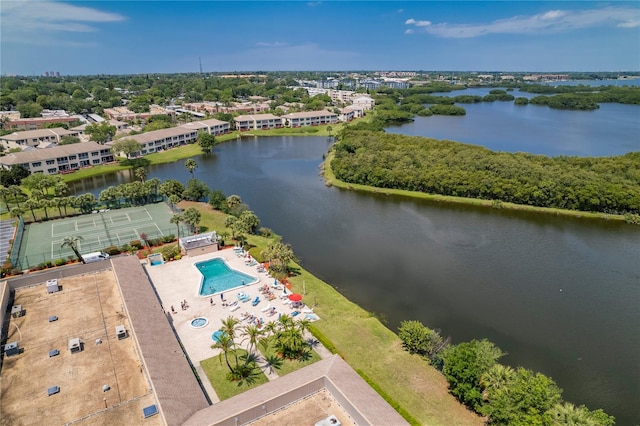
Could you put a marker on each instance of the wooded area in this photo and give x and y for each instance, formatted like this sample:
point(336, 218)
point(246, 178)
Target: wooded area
point(597, 184)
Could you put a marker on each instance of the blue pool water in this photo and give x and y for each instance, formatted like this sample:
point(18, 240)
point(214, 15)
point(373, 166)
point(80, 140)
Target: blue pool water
point(218, 277)
point(199, 322)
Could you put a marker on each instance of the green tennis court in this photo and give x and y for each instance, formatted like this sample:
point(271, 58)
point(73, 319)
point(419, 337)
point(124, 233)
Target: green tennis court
point(42, 241)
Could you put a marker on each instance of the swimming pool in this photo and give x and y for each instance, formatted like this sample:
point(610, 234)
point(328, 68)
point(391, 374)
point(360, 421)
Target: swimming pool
point(217, 276)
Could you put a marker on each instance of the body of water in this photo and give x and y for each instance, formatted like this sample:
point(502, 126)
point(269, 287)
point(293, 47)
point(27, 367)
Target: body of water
point(613, 129)
point(560, 295)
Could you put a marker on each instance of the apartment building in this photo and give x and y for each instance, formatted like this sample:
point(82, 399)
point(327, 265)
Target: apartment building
point(337, 96)
point(365, 102)
point(33, 138)
point(211, 126)
point(37, 122)
point(163, 139)
point(310, 118)
point(59, 159)
point(258, 122)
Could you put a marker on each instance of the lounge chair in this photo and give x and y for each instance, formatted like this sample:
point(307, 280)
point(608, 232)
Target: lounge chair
point(235, 308)
point(256, 301)
point(294, 313)
point(267, 308)
point(243, 297)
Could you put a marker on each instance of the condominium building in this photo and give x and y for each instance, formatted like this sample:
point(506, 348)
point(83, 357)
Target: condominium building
point(258, 122)
point(310, 118)
point(59, 159)
point(211, 126)
point(163, 139)
point(37, 122)
point(364, 102)
point(33, 138)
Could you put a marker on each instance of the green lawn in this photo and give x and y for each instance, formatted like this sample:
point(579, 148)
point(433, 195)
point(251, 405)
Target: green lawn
point(217, 374)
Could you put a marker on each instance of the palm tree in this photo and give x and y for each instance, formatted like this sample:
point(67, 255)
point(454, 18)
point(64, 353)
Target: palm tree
point(4, 193)
point(72, 243)
point(192, 217)
point(191, 165)
point(252, 334)
point(173, 201)
point(32, 204)
point(16, 212)
point(497, 378)
point(141, 173)
point(176, 218)
point(16, 192)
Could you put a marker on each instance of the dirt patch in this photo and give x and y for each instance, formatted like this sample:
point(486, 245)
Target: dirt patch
point(89, 307)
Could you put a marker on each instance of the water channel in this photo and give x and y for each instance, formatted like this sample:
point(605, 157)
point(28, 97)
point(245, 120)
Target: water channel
point(560, 295)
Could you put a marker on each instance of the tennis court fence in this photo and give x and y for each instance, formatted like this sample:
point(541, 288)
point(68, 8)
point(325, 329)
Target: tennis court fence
point(17, 242)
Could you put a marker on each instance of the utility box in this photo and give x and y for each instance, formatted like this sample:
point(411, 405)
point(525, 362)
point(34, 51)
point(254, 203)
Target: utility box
point(52, 286)
point(11, 349)
point(121, 332)
point(17, 311)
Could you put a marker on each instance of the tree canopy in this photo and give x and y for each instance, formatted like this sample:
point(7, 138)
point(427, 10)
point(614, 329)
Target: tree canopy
point(599, 184)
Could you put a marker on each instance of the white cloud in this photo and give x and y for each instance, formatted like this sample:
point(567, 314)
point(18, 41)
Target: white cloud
point(30, 21)
point(549, 22)
point(314, 3)
point(271, 44)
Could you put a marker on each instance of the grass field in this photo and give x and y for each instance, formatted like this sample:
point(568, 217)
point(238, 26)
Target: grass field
point(43, 241)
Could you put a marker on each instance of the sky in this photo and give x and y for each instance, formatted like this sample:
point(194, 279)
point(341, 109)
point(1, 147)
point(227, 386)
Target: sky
point(131, 37)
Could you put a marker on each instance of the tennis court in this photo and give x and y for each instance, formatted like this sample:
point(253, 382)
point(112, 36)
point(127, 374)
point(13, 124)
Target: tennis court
point(42, 241)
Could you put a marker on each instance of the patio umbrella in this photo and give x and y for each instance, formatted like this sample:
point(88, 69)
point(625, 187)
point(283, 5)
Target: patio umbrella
point(295, 297)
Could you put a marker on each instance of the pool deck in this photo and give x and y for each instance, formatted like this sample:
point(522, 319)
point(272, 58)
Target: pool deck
point(180, 280)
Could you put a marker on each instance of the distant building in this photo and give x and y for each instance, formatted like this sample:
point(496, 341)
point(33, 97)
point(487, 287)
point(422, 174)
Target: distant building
point(163, 139)
point(258, 122)
point(59, 159)
point(310, 118)
point(211, 126)
point(33, 138)
point(37, 122)
point(365, 102)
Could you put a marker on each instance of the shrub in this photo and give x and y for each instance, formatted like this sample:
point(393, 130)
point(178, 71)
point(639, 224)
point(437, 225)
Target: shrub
point(168, 238)
point(135, 244)
point(49, 264)
point(16, 271)
point(41, 266)
point(126, 248)
point(170, 252)
point(60, 262)
point(154, 241)
point(112, 250)
point(6, 267)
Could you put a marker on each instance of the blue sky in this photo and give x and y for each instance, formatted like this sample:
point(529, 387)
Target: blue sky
point(121, 37)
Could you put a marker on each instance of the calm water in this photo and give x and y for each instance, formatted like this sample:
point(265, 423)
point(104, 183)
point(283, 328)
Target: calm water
point(561, 296)
point(613, 129)
point(219, 277)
